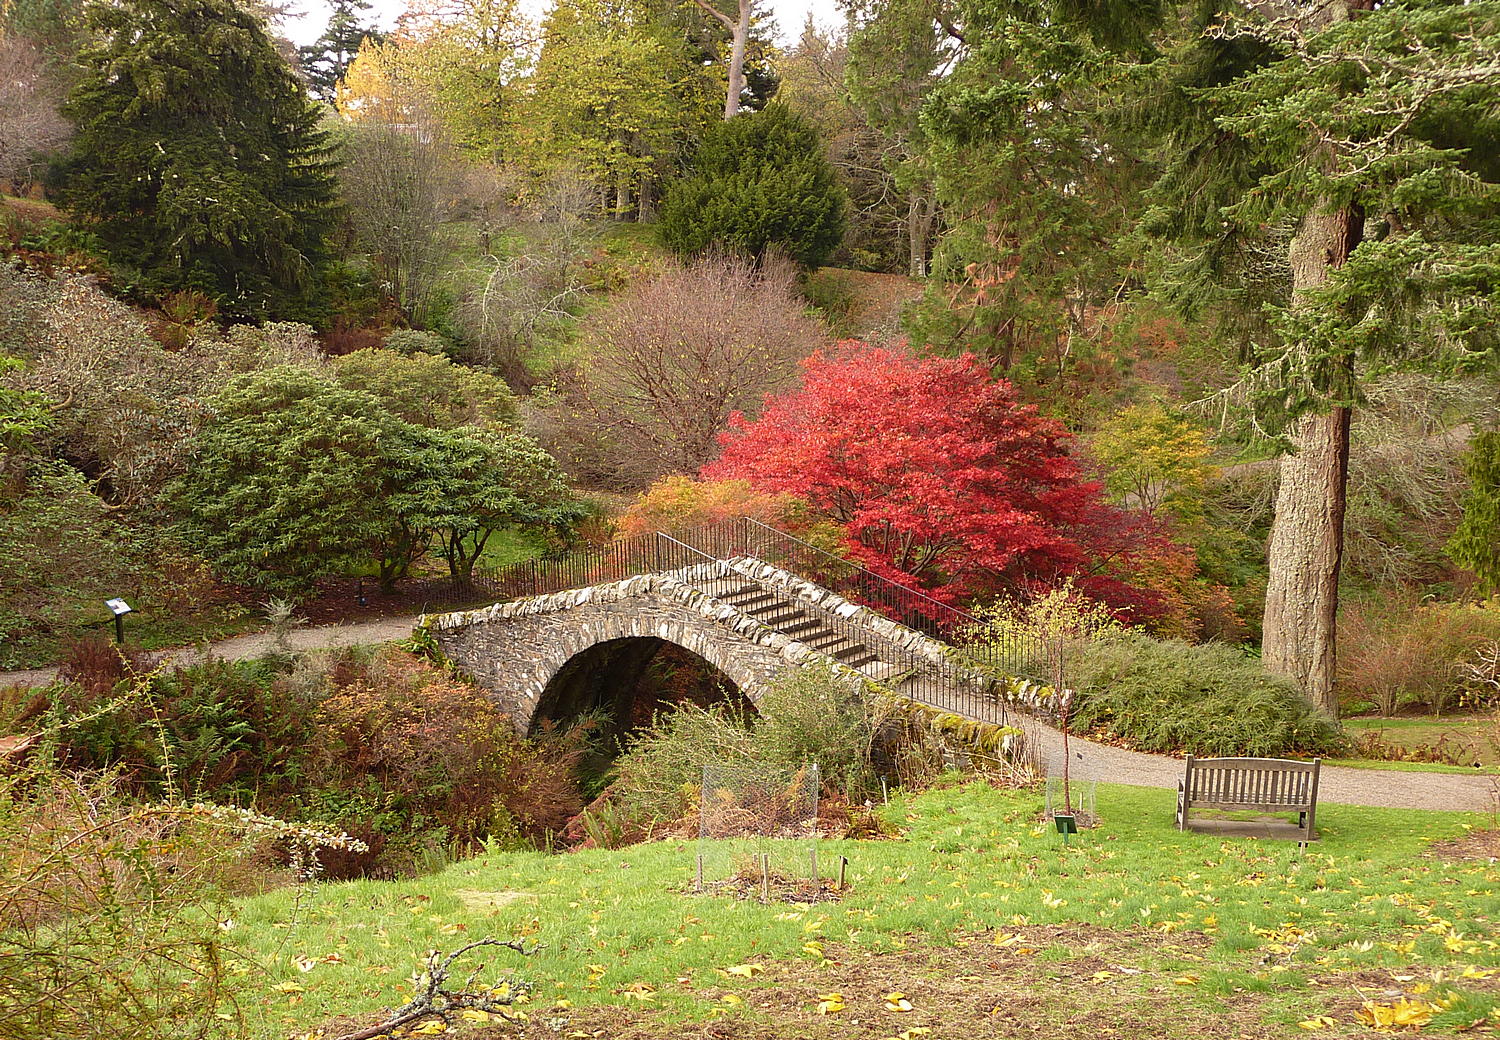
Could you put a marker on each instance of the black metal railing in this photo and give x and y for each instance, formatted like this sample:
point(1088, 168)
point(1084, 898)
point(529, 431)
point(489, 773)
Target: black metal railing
point(940, 683)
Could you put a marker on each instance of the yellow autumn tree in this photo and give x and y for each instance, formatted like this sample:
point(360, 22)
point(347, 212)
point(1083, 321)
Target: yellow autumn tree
point(1155, 461)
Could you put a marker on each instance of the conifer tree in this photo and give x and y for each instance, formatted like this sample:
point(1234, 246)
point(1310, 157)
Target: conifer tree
point(759, 180)
point(198, 159)
point(1347, 151)
point(1476, 543)
point(326, 59)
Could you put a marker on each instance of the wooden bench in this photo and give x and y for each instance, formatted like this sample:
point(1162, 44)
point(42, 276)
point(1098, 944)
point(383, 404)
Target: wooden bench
point(1277, 785)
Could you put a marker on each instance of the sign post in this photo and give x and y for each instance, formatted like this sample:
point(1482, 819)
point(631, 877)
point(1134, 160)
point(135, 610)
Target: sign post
point(119, 608)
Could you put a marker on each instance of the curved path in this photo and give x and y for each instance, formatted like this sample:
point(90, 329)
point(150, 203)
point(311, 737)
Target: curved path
point(1090, 761)
point(1378, 787)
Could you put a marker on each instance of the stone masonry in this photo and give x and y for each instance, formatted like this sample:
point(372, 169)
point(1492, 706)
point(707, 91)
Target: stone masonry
point(516, 648)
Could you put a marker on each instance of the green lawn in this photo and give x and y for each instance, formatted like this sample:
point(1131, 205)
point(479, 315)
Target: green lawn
point(976, 905)
point(1476, 735)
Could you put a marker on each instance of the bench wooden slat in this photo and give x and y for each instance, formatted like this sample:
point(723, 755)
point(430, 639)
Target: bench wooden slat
point(1266, 784)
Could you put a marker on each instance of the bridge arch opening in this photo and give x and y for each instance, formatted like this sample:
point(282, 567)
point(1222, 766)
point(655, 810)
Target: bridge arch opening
point(626, 683)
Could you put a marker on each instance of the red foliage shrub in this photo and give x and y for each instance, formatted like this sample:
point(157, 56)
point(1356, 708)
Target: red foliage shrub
point(937, 473)
point(96, 664)
point(343, 339)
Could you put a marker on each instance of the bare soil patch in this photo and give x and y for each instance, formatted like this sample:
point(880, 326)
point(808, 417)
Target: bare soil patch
point(778, 888)
point(1052, 983)
point(1479, 844)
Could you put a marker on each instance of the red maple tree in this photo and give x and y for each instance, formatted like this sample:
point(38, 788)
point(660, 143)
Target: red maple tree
point(939, 475)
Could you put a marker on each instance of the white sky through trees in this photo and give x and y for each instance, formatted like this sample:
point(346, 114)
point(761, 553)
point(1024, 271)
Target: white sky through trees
point(789, 14)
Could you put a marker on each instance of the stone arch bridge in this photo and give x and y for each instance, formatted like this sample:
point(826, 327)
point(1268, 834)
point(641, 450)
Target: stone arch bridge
point(749, 618)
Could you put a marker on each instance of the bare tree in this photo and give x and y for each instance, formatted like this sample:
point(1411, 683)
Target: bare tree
point(30, 123)
point(675, 357)
point(522, 294)
point(398, 180)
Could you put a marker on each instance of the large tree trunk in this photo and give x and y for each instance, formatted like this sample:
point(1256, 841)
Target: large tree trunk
point(1307, 548)
point(1298, 636)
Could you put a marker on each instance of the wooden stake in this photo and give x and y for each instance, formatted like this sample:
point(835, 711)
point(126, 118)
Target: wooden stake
point(843, 867)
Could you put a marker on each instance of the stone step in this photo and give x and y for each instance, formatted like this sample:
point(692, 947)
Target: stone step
point(803, 630)
point(776, 616)
point(850, 651)
point(828, 637)
point(748, 599)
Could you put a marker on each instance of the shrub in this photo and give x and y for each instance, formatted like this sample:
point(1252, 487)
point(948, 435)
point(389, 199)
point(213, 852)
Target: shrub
point(812, 715)
point(759, 180)
point(1168, 696)
point(679, 503)
point(660, 775)
point(406, 747)
point(807, 716)
point(415, 341)
point(220, 729)
point(109, 909)
point(1405, 653)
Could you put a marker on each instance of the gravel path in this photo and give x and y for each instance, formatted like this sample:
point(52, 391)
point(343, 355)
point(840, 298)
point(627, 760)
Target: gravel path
point(241, 648)
point(1091, 761)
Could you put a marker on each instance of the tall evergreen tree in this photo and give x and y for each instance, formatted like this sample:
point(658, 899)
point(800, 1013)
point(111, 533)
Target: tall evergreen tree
point(1342, 152)
point(199, 160)
point(326, 59)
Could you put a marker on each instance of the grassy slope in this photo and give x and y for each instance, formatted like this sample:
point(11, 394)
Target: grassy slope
point(1255, 930)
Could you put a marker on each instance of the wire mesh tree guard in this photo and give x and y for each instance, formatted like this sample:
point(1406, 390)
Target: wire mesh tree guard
point(758, 832)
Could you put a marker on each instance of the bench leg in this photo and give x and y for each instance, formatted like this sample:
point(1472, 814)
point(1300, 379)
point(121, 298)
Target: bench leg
point(1182, 808)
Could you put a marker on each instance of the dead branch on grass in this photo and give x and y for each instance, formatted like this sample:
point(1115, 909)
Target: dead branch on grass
point(435, 1000)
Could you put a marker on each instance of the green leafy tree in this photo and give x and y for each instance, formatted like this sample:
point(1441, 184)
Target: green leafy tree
point(613, 96)
point(495, 480)
point(284, 488)
point(427, 389)
point(460, 487)
point(759, 181)
point(198, 159)
point(1155, 461)
point(326, 59)
point(1476, 543)
point(468, 57)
